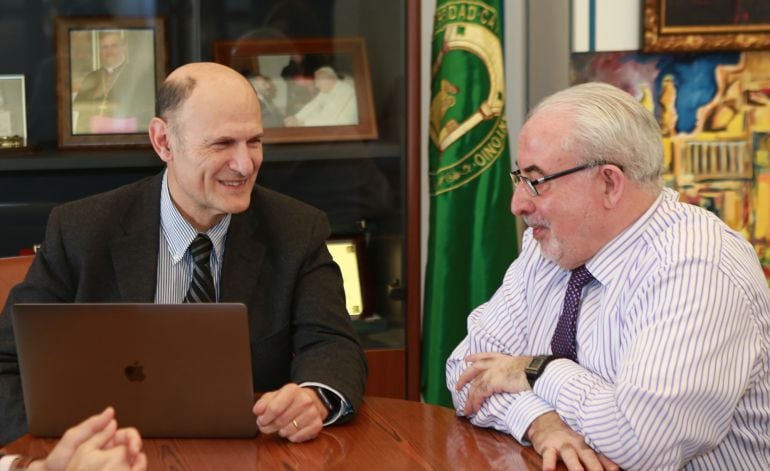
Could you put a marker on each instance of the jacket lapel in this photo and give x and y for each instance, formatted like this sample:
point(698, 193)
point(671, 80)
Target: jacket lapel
point(135, 248)
point(244, 254)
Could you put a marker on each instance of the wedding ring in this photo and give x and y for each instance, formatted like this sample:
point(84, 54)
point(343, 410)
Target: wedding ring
point(295, 424)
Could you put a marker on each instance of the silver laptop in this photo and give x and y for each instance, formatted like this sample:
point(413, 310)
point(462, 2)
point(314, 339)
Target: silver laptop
point(170, 370)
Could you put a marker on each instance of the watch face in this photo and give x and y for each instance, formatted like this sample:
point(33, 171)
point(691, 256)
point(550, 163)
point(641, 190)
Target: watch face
point(536, 363)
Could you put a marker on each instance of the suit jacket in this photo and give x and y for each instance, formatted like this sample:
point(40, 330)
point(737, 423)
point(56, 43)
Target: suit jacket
point(105, 249)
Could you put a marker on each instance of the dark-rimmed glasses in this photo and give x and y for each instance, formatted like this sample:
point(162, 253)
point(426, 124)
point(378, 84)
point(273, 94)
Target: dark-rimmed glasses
point(517, 177)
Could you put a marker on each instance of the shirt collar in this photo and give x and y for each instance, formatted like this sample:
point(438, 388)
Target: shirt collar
point(600, 265)
point(179, 233)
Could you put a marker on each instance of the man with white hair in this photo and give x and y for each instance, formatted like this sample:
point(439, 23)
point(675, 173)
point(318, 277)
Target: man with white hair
point(665, 363)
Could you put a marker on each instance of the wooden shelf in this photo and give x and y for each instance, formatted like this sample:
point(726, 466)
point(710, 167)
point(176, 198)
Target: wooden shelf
point(47, 159)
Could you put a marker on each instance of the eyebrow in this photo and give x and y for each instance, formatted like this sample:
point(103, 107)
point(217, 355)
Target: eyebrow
point(530, 169)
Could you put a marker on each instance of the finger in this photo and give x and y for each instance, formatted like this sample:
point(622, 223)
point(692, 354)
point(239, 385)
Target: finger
point(261, 404)
point(550, 458)
point(570, 458)
point(130, 438)
point(305, 426)
point(467, 376)
point(282, 408)
point(140, 463)
point(476, 396)
point(608, 464)
point(101, 438)
point(84, 430)
point(589, 459)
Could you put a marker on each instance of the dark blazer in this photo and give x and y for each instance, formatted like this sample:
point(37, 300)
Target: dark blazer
point(105, 249)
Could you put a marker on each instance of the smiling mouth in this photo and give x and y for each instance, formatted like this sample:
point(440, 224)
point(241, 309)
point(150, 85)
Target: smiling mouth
point(233, 183)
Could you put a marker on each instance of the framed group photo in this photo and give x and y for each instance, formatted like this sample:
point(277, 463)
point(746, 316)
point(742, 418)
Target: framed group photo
point(108, 70)
point(13, 112)
point(698, 25)
point(309, 89)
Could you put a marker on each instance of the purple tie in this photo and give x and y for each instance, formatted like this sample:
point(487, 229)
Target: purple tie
point(563, 342)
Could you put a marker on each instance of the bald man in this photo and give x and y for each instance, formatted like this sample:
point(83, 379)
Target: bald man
point(269, 252)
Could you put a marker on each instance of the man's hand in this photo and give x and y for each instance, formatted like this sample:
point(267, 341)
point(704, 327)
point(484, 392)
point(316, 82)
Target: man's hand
point(491, 373)
point(555, 441)
point(96, 443)
point(293, 412)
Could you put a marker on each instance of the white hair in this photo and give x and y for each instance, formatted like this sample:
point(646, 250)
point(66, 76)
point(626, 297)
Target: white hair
point(609, 125)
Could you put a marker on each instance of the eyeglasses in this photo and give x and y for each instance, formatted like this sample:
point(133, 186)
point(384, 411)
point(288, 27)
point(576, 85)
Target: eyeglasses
point(517, 177)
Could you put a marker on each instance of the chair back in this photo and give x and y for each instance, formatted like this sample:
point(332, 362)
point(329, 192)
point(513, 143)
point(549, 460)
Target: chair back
point(12, 272)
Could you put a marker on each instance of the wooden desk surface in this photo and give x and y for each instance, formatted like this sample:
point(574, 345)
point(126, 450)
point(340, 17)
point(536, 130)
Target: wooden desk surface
point(387, 434)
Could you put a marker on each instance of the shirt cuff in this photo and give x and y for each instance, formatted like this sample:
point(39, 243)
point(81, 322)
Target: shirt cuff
point(6, 462)
point(342, 407)
point(557, 375)
point(519, 418)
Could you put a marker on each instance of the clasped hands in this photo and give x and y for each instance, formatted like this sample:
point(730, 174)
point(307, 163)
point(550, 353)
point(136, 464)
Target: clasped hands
point(293, 412)
point(493, 373)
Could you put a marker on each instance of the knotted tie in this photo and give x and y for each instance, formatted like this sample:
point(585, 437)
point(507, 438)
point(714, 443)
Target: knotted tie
point(563, 341)
point(202, 286)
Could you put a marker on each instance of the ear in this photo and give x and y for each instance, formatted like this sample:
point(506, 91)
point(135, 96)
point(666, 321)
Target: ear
point(160, 139)
point(614, 185)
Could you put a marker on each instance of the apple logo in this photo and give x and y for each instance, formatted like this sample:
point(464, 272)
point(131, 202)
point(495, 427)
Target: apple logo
point(135, 372)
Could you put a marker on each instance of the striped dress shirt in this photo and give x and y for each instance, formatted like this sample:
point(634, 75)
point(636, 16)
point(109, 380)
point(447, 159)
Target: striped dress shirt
point(673, 345)
point(175, 263)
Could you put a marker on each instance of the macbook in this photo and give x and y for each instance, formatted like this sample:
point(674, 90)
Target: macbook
point(170, 370)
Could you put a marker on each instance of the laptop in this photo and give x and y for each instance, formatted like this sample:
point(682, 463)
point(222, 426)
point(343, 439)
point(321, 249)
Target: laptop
point(170, 370)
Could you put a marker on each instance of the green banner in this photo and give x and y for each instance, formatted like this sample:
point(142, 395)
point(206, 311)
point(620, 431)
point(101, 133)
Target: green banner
point(472, 237)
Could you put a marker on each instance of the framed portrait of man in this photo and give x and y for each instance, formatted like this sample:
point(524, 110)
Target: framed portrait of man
point(311, 89)
point(705, 25)
point(13, 112)
point(108, 73)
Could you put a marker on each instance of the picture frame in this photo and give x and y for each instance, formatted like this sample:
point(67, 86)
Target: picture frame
point(347, 253)
point(310, 90)
point(108, 70)
point(692, 26)
point(13, 112)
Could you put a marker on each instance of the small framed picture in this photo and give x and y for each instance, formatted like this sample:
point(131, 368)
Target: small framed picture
point(13, 112)
point(347, 253)
point(108, 70)
point(698, 25)
point(309, 89)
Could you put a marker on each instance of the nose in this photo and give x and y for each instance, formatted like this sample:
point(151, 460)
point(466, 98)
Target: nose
point(244, 160)
point(521, 202)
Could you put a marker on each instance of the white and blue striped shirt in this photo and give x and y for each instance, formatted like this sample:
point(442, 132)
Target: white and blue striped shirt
point(175, 263)
point(673, 344)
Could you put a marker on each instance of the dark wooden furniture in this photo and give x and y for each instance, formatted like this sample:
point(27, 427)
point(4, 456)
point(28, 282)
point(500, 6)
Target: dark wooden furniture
point(388, 434)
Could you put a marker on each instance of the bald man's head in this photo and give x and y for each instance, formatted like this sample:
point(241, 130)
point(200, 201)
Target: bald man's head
point(179, 85)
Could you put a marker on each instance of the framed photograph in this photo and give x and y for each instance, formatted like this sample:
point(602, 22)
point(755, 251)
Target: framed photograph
point(309, 89)
point(108, 70)
point(347, 252)
point(13, 112)
point(705, 25)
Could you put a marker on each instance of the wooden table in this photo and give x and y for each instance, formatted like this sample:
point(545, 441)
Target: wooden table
point(387, 434)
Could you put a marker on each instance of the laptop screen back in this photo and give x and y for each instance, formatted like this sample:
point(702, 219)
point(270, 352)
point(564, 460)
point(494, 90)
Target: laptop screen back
point(170, 370)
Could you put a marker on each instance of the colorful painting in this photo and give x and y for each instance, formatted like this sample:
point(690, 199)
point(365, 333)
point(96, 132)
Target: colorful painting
point(714, 115)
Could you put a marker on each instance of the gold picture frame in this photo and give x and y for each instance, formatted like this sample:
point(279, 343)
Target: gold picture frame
point(684, 26)
point(108, 70)
point(310, 90)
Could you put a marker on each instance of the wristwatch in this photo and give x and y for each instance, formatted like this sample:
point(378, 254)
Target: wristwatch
point(325, 399)
point(537, 366)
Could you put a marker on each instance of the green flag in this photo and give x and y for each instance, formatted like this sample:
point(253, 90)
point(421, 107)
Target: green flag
point(472, 237)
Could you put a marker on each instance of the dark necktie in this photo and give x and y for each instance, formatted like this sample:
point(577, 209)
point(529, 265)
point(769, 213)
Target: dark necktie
point(202, 286)
point(563, 342)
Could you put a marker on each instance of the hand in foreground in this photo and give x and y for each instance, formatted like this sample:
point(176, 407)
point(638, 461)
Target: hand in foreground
point(293, 412)
point(96, 443)
point(555, 441)
point(491, 373)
